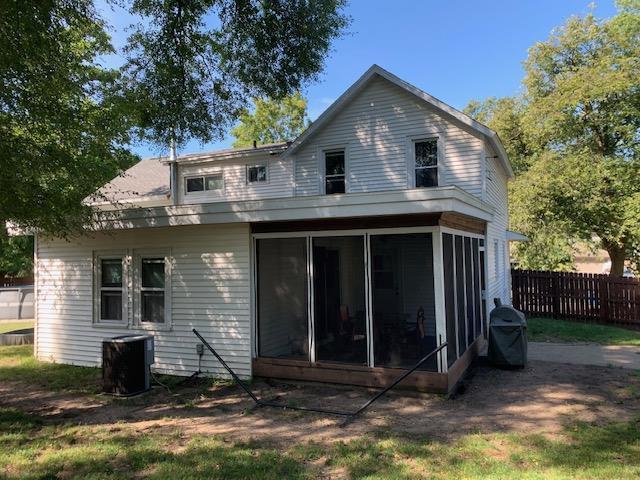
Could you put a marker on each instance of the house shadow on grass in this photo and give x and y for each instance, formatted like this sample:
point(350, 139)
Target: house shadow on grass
point(33, 449)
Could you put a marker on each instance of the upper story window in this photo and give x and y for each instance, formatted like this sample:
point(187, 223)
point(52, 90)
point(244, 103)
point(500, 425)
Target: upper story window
point(256, 174)
point(334, 176)
point(426, 162)
point(203, 183)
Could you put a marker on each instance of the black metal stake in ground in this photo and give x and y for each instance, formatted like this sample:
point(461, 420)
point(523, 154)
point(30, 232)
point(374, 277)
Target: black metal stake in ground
point(262, 403)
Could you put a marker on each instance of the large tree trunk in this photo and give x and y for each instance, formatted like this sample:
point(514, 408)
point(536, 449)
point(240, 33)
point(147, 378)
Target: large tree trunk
point(617, 256)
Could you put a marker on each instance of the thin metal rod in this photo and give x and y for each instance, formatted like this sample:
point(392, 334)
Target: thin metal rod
point(262, 403)
point(305, 409)
point(224, 364)
point(399, 379)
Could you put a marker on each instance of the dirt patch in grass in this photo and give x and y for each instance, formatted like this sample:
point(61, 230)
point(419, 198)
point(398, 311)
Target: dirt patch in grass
point(543, 398)
point(546, 421)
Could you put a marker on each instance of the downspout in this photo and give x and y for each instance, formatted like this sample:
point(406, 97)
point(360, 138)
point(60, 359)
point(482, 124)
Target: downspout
point(173, 172)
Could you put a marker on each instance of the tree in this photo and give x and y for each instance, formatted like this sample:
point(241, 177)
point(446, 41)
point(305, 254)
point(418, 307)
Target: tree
point(505, 116)
point(66, 122)
point(272, 121)
point(63, 130)
point(549, 246)
point(16, 255)
point(583, 92)
point(575, 140)
point(191, 79)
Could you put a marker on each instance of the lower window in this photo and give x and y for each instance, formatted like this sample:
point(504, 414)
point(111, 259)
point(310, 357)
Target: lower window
point(152, 289)
point(110, 281)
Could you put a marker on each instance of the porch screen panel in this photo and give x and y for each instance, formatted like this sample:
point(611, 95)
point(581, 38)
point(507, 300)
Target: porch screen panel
point(483, 287)
point(449, 297)
point(403, 299)
point(468, 279)
point(340, 329)
point(477, 273)
point(282, 298)
point(460, 295)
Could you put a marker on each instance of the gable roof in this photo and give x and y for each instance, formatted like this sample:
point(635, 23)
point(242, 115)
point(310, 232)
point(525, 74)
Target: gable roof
point(363, 81)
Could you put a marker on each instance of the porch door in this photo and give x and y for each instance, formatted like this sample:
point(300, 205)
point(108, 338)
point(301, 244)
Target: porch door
point(386, 281)
point(403, 299)
point(339, 302)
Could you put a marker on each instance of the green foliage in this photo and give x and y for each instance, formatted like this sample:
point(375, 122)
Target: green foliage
point(191, 80)
point(66, 122)
point(63, 131)
point(549, 246)
point(552, 330)
point(272, 121)
point(582, 87)
point(16, 255)
point(574, 139)
point(504, 116)
point(18, 325)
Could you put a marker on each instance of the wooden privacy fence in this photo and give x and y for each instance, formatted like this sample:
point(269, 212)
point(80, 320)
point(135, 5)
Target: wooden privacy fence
point(577, 296)
point(15, 282)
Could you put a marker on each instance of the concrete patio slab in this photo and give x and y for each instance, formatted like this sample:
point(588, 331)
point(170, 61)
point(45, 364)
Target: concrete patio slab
point(624, 356)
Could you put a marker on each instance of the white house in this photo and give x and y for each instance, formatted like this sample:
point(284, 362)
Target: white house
point(344, 256)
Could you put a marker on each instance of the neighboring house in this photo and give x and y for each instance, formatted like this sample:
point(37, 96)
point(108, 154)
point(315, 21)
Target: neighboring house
point(589, 261)
point(344, 256)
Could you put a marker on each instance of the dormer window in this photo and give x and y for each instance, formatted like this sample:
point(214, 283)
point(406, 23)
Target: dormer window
point(256, 174)
point(426, 162)
point(204, 183)
point(334, 177)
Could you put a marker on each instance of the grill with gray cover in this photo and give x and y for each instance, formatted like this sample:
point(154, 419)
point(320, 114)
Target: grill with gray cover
point(507, 337)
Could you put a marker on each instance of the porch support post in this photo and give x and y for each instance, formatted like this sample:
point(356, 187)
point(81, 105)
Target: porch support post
point(310, 301)
point(438, 295)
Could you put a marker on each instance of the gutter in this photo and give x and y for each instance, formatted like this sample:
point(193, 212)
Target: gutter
point(173, 173)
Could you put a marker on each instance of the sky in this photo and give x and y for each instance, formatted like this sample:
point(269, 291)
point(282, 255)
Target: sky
point(455, 50)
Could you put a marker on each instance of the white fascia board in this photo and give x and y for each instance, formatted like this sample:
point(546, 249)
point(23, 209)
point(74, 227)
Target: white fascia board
point(442, 199)
point(134, 202)
point(229, 155)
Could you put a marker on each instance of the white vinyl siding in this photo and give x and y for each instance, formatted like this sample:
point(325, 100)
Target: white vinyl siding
point(209, 288)
point(279, 181)
point(376, 126)
point(499, 274)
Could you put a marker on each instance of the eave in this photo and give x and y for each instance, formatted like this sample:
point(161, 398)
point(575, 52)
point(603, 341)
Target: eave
point(416, 201)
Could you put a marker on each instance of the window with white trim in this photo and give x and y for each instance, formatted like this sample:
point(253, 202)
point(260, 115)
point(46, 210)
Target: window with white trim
point(256, 174)
point(202, 183)
point(111, 285)
point(152, 290)
point(425, 153)
point(334, 172)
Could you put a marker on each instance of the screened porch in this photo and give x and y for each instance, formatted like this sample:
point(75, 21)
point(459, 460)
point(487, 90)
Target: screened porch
point(354, 306)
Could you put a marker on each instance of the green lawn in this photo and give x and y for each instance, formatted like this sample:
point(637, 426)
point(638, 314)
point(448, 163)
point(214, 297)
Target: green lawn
point(30, 449)
point(35, 448)
point(550, 330)
point(18, 364)
point(17, 325)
